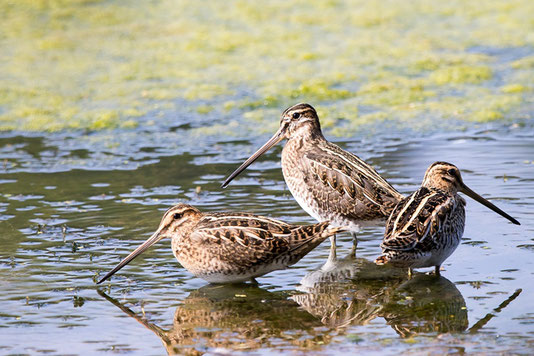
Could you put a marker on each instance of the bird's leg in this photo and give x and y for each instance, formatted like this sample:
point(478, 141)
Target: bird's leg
point(410, 273)
point(333, 241)
point(354, 245)
point(332, 256)
point(437, 270)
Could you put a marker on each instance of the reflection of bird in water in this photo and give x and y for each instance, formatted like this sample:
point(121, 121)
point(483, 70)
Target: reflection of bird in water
point(223, 318)
point(231, 247)
point(422, 304)
point(347, 291)
point(333, 271)
point(426, 304)
point(354, 291)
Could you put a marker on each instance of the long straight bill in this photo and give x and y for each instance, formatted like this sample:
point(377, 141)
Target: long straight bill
point(151, 241)
point(465, 189)
point(278, 136)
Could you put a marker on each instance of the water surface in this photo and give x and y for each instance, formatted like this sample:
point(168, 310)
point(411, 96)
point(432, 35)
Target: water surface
point(72, 205)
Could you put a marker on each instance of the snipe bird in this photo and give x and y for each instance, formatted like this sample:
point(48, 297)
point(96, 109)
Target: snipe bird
point(231, 247)
point(426, 227)
point(329, 183)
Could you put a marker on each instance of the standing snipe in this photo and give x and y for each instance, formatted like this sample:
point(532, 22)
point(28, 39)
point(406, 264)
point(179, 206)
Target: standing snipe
point(426, 227)
point(329, 183)
point(231, 247)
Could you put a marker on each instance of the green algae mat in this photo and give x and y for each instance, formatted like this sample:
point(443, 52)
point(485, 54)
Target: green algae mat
point(96, 65)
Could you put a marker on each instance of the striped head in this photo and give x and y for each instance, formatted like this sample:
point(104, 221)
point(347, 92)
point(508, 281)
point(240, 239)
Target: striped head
point(179, 217)
point(446, 177)
point(300, 120)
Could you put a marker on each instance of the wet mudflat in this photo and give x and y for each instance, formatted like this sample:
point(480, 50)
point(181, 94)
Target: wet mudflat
point(70, 211)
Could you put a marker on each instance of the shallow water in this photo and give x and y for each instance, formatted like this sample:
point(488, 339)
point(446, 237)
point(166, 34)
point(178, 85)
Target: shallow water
point(72, 205)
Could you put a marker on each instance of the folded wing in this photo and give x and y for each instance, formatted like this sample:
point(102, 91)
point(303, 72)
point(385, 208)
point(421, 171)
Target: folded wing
point(417, 221)
point(353, 185)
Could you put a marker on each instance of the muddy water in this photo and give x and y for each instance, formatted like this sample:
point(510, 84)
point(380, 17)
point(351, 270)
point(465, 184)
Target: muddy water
point(71, 206)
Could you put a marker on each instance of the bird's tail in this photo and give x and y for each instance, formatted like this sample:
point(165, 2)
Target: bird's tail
point(313, 235)
point(334, 230)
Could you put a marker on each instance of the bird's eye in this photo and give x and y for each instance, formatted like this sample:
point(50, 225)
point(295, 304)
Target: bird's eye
point(177, 216)
point(452, 172)
point(296, 115)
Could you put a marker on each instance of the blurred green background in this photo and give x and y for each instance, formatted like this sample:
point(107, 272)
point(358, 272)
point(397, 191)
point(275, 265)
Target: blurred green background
point(100, 64)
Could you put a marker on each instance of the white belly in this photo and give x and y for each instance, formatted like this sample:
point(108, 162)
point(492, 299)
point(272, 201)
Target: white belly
point(311, 207)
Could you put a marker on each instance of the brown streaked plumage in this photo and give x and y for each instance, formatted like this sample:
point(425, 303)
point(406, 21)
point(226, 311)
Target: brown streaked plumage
point(425, 304)
point(219, 319)
point(329, 183)
point(426, 227)
point(231, 247)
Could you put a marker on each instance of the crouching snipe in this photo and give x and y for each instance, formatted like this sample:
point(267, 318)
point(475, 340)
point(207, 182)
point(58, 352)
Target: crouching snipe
point(231, 247)
point(425, 228)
